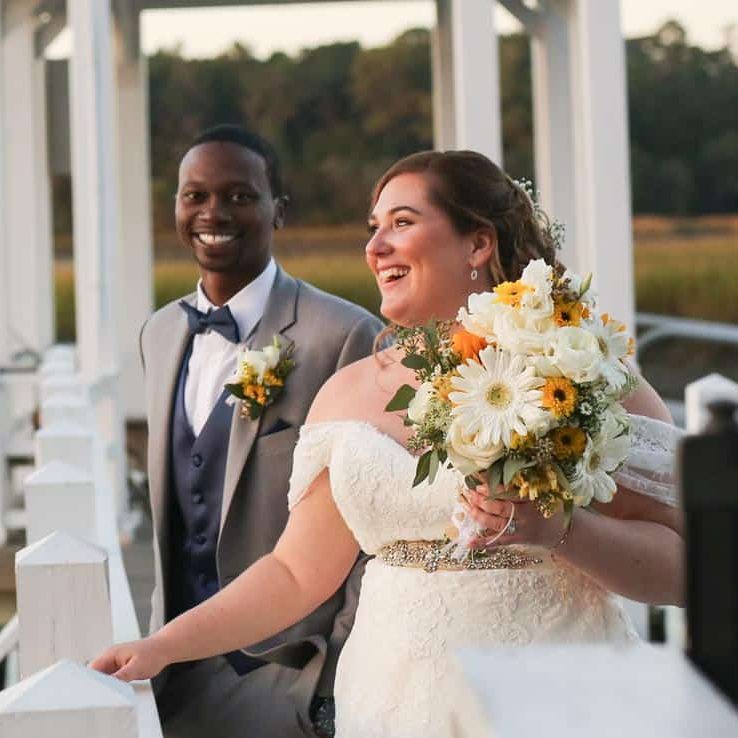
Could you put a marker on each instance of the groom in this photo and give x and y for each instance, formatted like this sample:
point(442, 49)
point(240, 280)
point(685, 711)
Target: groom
point(219, 481)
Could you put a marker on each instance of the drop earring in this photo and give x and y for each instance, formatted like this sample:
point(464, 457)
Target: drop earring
point(474, 275)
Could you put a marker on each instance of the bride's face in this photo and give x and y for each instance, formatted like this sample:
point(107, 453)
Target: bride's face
point(421, 264)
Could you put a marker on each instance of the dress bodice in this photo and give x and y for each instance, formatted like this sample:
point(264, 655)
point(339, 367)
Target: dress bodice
point(371, 476)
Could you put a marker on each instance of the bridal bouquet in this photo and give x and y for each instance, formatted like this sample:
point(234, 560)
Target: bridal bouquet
point(525, 395)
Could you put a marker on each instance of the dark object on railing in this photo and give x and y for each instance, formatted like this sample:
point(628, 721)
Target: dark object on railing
point(709, 484)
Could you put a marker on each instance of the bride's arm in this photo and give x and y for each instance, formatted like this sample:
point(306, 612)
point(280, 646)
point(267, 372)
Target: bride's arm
point(309, 563)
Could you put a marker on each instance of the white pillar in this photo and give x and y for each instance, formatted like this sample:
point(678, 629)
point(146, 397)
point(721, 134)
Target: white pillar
point(466, 73)
point(96, 222)
point(27, 276)
point(553, 118)
point(66, 700)
point(604, 243)
point(70, 577)
point(4, 247)
point(137, 292)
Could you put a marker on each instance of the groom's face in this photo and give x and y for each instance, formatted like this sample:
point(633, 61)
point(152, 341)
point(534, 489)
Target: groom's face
point(226, 212)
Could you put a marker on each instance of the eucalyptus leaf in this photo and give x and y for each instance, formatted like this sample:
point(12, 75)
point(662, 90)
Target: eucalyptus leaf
point(416, 362)
point(512, 467)
point(423, 468)
point(494, 476)
point(433, 467)
point(403, 397)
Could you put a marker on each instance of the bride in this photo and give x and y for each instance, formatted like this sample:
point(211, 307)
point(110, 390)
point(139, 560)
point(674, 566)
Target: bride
point(442, 225)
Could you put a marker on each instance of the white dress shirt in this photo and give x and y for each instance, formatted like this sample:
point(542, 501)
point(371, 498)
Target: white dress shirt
point(213, 358)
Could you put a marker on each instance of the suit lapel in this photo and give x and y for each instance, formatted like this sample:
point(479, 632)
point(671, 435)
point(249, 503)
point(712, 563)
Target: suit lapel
point(164, 371)
point(279, 315)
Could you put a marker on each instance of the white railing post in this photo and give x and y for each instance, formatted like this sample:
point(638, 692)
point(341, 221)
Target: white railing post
point(68, 700)
point(63, 601)
point(60, 497)
point(67, 442)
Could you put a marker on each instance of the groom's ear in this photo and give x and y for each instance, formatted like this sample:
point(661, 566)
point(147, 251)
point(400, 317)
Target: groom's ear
point(280, 211)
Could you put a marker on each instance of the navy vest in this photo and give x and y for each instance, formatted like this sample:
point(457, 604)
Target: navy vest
point(197, 471)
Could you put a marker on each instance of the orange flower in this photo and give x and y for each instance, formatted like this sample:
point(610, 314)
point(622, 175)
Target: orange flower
point(468, 345)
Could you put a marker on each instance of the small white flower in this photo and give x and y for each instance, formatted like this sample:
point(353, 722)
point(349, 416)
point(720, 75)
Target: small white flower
point(603, 455)
point(271, 356)
point(496, 396)
point(259, 361)
point(467, 453)
point(575, 284)
point(576, 353)
point(419, 405)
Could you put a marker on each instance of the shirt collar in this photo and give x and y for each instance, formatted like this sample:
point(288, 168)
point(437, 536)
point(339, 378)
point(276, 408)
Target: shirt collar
point(248, 304)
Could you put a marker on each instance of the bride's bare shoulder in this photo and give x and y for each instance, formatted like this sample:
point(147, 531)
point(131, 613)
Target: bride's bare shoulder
point(356, 389)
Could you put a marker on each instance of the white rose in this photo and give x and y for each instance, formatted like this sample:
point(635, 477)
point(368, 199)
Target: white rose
point(466, 454)
point(480, 316)
point(418, 407)
point(520, 332)
point(539, 276)
point(271, 356)
point(255, 359)
point(576, 353)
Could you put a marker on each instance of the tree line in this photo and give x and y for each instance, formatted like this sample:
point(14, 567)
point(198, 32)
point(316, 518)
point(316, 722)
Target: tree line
point(340, 114)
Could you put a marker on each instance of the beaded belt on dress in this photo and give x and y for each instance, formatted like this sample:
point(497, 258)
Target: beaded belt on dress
point(430, 556)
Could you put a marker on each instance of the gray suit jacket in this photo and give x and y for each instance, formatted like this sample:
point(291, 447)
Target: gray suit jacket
point(327, 333)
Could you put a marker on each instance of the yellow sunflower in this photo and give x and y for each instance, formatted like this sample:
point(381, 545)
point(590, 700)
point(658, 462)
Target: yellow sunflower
point(511, 293)
point(559, 396)
point(568, 442)
point(570, 313)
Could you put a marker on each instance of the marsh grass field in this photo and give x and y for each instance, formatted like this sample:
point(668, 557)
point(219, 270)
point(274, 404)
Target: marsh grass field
point(683, 267)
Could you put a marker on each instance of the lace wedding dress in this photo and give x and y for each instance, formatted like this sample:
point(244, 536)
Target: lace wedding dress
point(395, 677)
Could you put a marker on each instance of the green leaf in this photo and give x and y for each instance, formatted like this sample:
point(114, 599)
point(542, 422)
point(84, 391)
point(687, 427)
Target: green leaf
point(561, 477)
point(402, 399)
point(433, 467)
point(586, 284)
point(512, 467)
point(494, 476)
point(423, 468)
point(416, 362)
point(236, 390)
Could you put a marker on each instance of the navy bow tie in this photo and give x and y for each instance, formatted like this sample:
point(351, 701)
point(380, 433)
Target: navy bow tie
point(220, 320)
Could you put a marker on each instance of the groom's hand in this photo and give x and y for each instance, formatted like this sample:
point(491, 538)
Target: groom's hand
point(134, 660)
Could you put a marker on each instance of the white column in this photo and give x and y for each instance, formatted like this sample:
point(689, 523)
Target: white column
point(70, 577)
point(137, 284)
point(94, 144)
point(67, 700)
point(604, 242)
point(465, 54)
point(26, 277)
point(553, 118)
point(4, 247)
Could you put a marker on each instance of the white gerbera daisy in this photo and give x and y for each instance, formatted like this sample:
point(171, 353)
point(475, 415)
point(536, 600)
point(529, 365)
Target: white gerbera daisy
point(601, 458)
point(496, 396)
point(615, 345)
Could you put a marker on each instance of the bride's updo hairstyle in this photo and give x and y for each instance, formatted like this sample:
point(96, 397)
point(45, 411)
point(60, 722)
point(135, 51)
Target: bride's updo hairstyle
point(475, 193)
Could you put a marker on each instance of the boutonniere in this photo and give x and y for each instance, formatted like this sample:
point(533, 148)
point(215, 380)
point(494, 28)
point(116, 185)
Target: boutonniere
point(259, 378)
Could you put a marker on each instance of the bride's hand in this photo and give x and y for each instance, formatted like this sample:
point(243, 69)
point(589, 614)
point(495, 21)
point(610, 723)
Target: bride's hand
point(529, 526)
point(142, 659)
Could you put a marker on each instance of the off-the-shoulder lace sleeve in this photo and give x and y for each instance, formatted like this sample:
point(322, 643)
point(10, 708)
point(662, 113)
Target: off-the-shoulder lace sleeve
point(650, 466)
point(312, 454)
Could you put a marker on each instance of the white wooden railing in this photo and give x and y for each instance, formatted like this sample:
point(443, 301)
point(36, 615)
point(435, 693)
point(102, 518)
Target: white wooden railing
point(73, 597)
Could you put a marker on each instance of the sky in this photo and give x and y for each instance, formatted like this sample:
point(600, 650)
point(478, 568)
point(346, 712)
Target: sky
point(203, 32)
